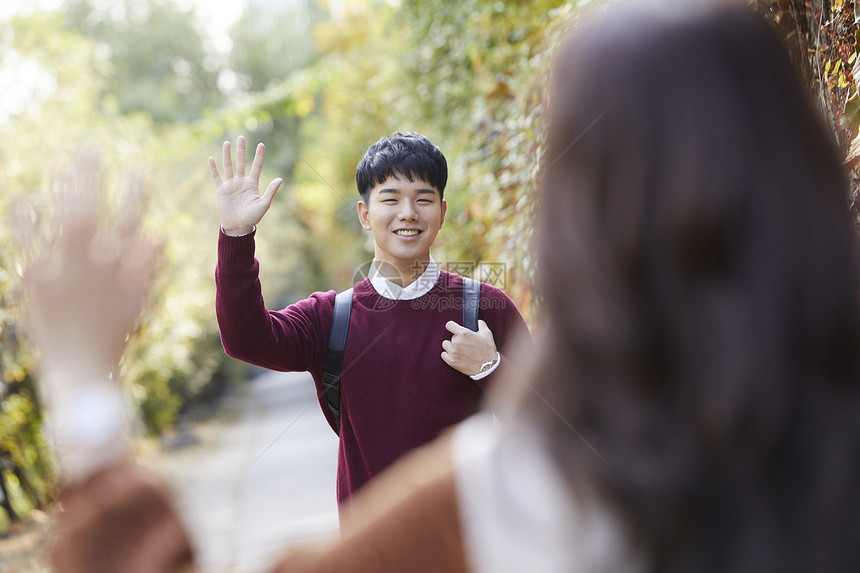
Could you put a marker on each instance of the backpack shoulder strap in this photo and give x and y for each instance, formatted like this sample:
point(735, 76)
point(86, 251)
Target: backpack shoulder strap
point(471, 303)
point(334, 353)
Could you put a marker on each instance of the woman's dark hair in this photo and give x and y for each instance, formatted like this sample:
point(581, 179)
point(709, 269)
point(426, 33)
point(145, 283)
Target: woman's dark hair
point(699, 275)
point(409, 155)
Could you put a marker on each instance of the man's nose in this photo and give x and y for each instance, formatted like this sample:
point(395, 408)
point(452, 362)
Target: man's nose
point(408, 211)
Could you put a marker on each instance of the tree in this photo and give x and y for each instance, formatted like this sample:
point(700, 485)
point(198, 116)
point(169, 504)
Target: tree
point(270, 42)
point(151, 56)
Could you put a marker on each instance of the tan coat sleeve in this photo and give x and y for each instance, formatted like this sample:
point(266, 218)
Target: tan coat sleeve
point(406, 519)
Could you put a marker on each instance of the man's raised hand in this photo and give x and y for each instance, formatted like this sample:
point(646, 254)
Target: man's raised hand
point(240, 205)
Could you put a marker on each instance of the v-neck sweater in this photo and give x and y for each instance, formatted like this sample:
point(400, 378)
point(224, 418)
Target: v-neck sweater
point(396, 391)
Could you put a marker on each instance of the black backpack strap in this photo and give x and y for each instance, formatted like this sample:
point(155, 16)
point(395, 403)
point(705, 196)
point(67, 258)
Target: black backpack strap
point(471, 302)
point(334, 353)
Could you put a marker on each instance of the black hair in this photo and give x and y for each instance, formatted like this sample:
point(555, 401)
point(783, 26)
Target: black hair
point(409, 155)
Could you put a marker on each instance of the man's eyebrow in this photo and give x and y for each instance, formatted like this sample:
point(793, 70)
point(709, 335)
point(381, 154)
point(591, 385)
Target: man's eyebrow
point(425, 191)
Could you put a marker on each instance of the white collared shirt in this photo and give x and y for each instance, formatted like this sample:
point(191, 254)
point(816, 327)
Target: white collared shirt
point(417, 288)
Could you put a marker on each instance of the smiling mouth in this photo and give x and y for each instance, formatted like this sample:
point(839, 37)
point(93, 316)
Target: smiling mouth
point(407, 232)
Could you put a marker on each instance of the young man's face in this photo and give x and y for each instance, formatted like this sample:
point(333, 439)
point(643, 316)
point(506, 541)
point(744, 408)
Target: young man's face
point(404, 217)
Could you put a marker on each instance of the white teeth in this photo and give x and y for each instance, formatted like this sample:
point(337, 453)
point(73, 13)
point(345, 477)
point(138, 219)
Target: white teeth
point(407, 232)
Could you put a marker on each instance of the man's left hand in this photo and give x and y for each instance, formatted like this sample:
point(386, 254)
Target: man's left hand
point(467, 350)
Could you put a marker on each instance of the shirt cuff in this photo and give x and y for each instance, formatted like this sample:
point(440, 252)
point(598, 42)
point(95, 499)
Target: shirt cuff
point(480, 375)
point(245, 235)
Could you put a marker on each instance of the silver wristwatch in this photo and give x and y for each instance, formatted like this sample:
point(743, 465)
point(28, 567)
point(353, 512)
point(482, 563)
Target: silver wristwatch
point(489, 364)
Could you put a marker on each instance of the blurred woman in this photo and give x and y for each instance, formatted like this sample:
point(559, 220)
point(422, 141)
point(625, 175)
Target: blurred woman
point(699, 270)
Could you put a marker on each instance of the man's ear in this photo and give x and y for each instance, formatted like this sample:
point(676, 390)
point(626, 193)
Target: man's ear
point(444, 209)
point(362, 215)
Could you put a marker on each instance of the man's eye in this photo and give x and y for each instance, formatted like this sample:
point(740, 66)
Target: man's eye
point(389, 201)
point(425, 201)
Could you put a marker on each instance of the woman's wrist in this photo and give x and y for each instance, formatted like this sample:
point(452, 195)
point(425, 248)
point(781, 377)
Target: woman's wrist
point(86, 420)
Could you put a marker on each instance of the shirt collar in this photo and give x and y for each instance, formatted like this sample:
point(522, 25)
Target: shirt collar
point(417, 288)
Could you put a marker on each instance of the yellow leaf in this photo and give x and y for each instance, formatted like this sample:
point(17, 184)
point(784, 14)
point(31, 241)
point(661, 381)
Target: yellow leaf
point(827, 68)
point(842, 82)
point(852, 58)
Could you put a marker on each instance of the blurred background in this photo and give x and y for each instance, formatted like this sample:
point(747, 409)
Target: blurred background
point(158, 85)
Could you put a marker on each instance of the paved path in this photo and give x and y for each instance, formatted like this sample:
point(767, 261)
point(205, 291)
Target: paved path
point(260, 481)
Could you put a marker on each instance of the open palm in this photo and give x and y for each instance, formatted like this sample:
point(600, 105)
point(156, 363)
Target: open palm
point(237, 197)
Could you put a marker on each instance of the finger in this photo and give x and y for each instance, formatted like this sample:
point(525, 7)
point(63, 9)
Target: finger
point(227, 160)
point(213, 168)
point(134, 202)
point(87, 180)
point(240, 156)
point(447, 346)
point(78, 191)
point(485, 333)
point(105, 248)
point(136, 272)
point(269, 194)
point(455, 328)
point(447, 358)
point(71, 249)
point(257, 165)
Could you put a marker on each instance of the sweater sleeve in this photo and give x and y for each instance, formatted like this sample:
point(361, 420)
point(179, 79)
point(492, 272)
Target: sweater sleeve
point(291, 339)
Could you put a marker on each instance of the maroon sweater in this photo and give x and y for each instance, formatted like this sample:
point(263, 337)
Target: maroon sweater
point(396, 391)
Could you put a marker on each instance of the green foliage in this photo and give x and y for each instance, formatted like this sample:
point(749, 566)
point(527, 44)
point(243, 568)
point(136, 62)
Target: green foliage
point(21, 439)
point(269, 43)
point(151, 56)
point(178, 343)
point(130, 79)
point(61, 59)
point(479, 73)
point(469, 75)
